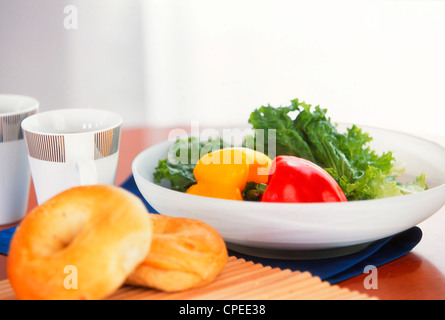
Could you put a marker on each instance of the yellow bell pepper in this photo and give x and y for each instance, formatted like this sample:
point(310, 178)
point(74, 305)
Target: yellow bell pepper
point(259, 166)
point(225, 172)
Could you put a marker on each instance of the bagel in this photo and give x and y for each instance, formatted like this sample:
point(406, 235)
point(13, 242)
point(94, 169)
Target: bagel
point(80, 244)
point(184, 253)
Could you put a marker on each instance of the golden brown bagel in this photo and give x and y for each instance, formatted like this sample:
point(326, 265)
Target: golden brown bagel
point(81, 244)
point(184, 253)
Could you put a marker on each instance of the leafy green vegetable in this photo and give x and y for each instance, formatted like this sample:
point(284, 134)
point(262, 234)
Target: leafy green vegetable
point(360, 172)
point(182, 157)
point(180, 175)
point(288, 140)
point(253, 191)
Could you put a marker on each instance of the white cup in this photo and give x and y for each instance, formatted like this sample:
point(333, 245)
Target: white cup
point(71, 147)
point(15, 177)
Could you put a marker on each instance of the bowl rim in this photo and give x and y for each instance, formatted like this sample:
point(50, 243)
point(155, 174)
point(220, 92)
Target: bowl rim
point(252, 204)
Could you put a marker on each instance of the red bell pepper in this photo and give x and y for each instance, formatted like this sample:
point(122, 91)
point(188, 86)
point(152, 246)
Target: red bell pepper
point(294, 179)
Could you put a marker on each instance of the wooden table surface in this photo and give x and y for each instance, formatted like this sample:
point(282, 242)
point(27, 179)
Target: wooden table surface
point(417, 275)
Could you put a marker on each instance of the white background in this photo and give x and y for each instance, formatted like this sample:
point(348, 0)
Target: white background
point(169, 62)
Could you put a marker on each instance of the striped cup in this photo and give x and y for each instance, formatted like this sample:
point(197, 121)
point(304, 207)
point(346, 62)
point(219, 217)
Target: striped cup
point(15, 177)
point(71, 147)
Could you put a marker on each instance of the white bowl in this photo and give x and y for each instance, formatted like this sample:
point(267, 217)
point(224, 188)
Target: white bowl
point(308, 230)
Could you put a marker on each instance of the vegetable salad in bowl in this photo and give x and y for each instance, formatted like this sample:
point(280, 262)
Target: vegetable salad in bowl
point(308, 159)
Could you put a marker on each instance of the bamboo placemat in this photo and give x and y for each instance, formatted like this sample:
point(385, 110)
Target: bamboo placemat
point(240, 280)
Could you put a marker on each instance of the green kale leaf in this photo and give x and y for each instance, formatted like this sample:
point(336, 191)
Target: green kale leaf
point(307, 132)
point(177, 168)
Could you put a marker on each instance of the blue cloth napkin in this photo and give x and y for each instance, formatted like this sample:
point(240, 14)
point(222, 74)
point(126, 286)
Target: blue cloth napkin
point(333, 270)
